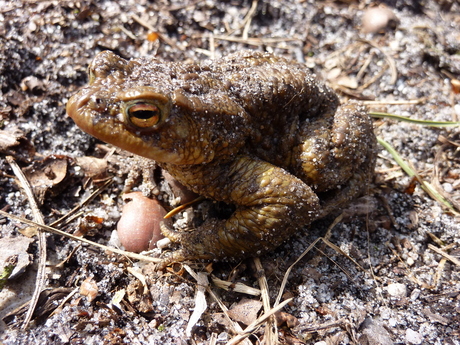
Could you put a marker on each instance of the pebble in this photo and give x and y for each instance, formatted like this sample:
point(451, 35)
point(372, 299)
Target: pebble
point(448, 188)
point(413, 337)
point(457, 109)
point(397, 290)
point(378, 19)
point(374, 333)
point(139, 226)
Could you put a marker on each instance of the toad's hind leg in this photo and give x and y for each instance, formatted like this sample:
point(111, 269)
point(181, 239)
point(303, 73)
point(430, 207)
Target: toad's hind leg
point(270, 205)
point(337, 154)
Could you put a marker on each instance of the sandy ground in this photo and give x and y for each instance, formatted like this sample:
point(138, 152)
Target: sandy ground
point(398, 290)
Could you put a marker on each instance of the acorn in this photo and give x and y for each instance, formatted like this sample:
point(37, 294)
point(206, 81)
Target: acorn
point(139, 226)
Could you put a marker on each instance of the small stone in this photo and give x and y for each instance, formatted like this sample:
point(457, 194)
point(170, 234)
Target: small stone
point(379, 19)
point(410, 262)
point(413, 337)
point(374, 333)
point(222, 336)
point(457, 109)
point(139, 226)
point(448, 188)
point(397, 290)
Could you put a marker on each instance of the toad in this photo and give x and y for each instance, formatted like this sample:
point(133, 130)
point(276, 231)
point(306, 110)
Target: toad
point(250, 129)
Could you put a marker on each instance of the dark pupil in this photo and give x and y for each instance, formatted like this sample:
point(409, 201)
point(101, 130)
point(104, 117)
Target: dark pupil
point(145, 114)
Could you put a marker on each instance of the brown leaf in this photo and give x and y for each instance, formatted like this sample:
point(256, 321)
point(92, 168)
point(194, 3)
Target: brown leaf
point(245, 311)
point(13, 142)
point(15, 246)
point(92, 166)
point(286, 318)
point(180, 191)
point(89, 289)
point(47, 175)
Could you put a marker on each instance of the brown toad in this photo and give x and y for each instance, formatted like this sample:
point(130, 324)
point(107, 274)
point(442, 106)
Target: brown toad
point(250, 129)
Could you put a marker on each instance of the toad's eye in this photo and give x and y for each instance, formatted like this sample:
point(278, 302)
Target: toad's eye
point(143, 115)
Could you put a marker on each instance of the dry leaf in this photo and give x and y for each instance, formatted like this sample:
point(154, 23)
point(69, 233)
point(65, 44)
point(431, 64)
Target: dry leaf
point(92, 166)
point(89, 289)
point(245, 311)
point(47, 175)
point(286, 318)
point(13, 142)
point(15, 246)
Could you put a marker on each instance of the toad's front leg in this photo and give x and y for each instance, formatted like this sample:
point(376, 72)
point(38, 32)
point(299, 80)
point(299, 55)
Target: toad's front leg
point(270, 205)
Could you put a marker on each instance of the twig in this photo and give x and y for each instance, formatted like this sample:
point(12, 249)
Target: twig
point(406, 102)
point(41, 270)
point(271, 332)
point(390, 60)
point(256, 41)
point(81, 239)
point(316, 328)
point(83, 203)
point(248, 19)
point(444, 254)
point(253, 326)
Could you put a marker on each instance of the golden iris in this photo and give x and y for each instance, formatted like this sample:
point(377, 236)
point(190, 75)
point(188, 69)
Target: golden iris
point(143, 115)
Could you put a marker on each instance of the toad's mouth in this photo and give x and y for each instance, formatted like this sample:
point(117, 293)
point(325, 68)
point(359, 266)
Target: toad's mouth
point(110, 127)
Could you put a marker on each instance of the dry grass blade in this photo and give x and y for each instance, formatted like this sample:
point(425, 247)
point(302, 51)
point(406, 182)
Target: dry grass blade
point(328, 243)
point(444, 254)
point(41, 271)
point(443, 140)
point(288, 271)
point(404, 102)
point(410, 273)
point(271, 331)
point(316, 328)
point(80, 239)
point(200, 298)
point(64, 301)
point(427, 187)
point(390, 60)
point(182, 207)
point(70, 215)
point(253, 326)
point(439, 161)
point(234, 326)
point(255, 40)
point(236, 287)
point(138, 274)
point(247, 20)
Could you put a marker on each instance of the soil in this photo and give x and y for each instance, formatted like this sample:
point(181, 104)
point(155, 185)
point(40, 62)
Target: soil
point(394, 275)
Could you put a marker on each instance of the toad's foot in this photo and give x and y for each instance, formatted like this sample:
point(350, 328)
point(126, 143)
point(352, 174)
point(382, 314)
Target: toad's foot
point(337, 155)
point(271, 205)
